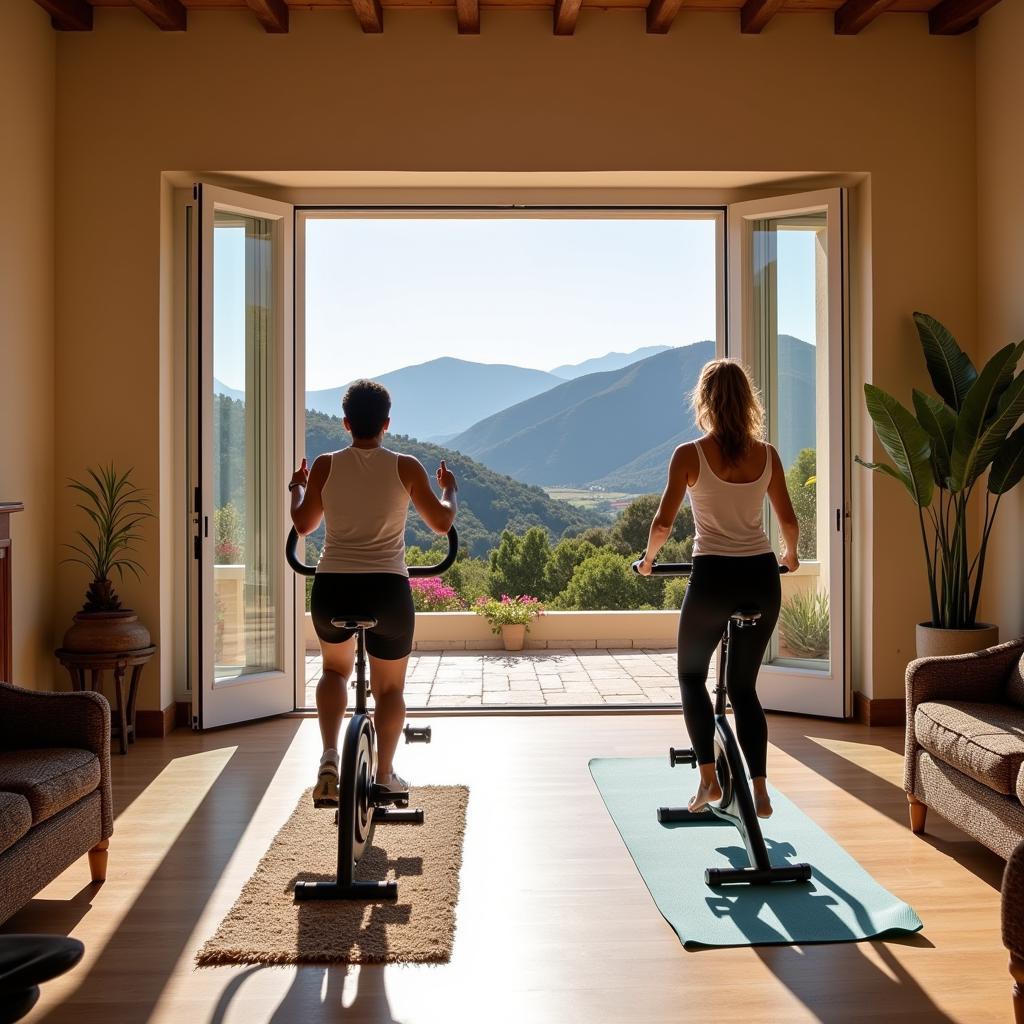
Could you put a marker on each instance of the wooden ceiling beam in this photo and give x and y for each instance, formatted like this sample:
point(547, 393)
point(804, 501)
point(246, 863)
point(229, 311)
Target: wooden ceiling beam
point(566, 13)
point(370, 15)
point(755, 14)
point(856, 15)
point(951, 17)
point(661, 14)
point(272, 14)
point(68, 15)
point(167, 15)
point(468, 14)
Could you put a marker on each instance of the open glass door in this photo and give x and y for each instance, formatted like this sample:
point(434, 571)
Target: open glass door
point(241, 408)
point(788, 324)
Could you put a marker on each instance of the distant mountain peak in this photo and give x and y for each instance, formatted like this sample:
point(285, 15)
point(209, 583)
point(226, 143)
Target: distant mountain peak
point(609, 361)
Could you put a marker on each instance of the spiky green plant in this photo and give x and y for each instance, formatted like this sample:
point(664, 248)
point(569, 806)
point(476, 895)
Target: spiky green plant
point(116, 508)
point(803, 624)
point(947, 449)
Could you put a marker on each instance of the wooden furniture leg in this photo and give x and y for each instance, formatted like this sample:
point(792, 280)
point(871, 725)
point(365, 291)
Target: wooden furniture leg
point(1017, 973)
point(918, 813)
point(133, 690)
point(98, 861)
point(121, 711)
point(77, 677)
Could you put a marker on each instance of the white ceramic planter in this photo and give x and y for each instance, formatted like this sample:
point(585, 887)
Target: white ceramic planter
point(932, 642)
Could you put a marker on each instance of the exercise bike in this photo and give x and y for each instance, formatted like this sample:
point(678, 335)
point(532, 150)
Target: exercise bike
point(361, 801)
point(737, 803)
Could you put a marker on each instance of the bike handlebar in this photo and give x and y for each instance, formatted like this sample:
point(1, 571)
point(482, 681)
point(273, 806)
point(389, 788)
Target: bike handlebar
point(292, 554)
point(679, 568)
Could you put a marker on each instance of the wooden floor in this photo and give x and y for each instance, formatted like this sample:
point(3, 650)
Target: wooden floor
point(554, 923)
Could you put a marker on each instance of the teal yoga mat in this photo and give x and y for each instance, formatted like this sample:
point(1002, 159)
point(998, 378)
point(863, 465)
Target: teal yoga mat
point(841, 903)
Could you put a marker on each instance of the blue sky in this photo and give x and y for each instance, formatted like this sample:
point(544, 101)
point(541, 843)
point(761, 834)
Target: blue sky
point(386, 293)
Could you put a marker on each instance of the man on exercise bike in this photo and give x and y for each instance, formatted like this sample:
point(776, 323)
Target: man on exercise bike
point(363, 492)
point(728, 472)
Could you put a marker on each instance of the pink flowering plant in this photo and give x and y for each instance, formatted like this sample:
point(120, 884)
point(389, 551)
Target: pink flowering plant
point(430, 594)
point(520, 610)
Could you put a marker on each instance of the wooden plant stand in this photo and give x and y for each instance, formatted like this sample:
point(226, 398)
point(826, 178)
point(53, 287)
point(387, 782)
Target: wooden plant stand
point(78, 663)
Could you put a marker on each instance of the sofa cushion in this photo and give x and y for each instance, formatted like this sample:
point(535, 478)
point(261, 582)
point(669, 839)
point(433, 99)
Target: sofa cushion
point(50, 779)
point(15, 819)
point(1015, 684)
point(984, 741)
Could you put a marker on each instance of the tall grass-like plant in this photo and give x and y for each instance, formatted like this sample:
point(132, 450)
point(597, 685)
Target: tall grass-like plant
point(941, 454)
point(116, 508)
point(804, 624)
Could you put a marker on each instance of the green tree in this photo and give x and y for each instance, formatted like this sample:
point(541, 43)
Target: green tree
point(801, 481)
point(605, 580)
point(565, 556)
point(675, 591)
point(471, 577)
point(518, 563)
point(633, 526)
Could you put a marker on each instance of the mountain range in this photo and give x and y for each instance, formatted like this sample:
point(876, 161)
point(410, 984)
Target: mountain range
point(442, 397)
point(617, 429)
point(611, 361)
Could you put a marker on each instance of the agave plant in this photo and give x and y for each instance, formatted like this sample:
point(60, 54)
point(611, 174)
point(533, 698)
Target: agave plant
point(116, 507)
point(804, 624)
point(941, 454)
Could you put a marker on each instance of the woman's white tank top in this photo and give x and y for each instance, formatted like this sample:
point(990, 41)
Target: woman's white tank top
point(728, 517)
point(365, 509)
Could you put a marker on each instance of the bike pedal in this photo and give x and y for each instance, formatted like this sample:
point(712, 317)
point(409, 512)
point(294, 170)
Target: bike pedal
point(381, 796)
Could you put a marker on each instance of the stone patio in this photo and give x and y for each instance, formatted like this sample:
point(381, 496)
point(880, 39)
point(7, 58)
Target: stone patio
point(543, 678)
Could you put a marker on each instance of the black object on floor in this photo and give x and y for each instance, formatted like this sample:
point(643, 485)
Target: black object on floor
point(26, 961)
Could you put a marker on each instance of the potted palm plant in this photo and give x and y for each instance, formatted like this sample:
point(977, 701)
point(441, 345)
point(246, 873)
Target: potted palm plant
point(116, 508)
point(957, 446)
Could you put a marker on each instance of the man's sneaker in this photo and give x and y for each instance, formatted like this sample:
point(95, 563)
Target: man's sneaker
point(325, 792)
point(394, 784)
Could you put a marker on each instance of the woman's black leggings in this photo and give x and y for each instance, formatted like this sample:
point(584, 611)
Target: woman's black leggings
point(719, 586)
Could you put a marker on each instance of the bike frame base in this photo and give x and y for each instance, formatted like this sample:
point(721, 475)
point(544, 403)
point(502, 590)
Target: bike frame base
point(758, 876)
point(307, 891)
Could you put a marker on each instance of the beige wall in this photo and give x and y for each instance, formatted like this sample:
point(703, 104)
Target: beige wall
point(894, 103)
point(27, 91)
point(1001, 268)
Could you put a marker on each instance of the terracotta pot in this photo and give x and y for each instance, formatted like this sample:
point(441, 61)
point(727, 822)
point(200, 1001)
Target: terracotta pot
point(513, 637)
point(933, 642)
point(106, 632)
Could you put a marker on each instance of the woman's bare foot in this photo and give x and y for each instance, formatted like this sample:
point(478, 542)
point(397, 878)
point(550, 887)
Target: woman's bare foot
point(707, 793)
point(762, 801)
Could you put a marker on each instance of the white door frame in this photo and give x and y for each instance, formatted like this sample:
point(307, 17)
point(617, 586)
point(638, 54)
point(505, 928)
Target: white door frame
point(787, 688)
point(260, 694)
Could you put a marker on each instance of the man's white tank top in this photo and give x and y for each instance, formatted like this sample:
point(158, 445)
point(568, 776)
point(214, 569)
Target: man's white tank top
point(365, 509)
point(729, 517)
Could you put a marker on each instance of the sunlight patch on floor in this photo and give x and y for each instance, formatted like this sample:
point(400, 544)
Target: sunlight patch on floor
point(878, 760)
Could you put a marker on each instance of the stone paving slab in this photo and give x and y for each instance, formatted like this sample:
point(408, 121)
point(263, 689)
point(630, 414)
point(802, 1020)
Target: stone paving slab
point(550, 677)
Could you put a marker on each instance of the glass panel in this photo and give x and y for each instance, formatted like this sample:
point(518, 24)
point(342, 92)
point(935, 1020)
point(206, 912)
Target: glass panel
point(247, 578)
point(791, 356)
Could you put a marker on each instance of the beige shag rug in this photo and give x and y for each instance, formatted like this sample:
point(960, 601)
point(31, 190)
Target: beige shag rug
point(266, 925)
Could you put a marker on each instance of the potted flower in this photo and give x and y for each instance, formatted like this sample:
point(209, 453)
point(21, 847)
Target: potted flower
point(116, 508)
point(962, 441)
point(510, 617)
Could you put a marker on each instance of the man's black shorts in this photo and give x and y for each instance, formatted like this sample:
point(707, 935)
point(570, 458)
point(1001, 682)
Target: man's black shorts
point(384, 596)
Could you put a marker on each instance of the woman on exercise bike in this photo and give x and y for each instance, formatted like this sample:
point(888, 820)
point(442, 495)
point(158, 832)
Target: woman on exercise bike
point(363, 494)
point(728, 471)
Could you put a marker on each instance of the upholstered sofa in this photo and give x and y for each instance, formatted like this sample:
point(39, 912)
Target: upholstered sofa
point(965, 743)
point(1013, 926)
point(55, 799)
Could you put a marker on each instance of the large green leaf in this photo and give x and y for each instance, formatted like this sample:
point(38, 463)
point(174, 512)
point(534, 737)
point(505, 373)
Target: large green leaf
point(950, 368)
point(1009, 368)
point(979, 433)
point(940, 421)
point(884, 467)
point(906, 442)
point(1008, 465)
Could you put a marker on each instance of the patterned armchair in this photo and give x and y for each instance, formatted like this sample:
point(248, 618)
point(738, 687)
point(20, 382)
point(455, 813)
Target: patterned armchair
point(55, 797)
point(1013, 926)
